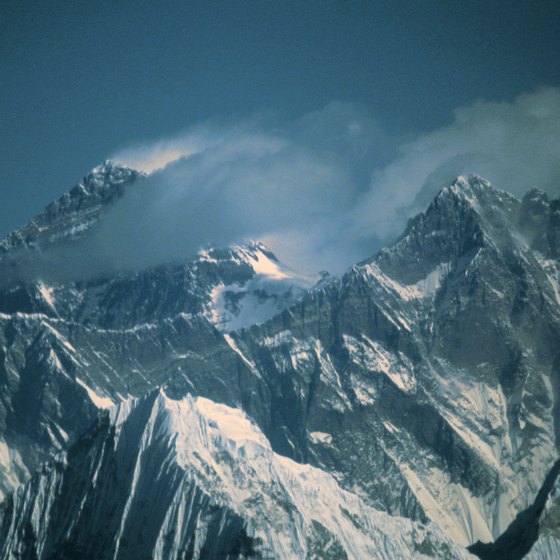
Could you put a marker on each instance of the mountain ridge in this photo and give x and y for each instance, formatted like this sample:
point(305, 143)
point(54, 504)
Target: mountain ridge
point(86, 200)
point(423, 379)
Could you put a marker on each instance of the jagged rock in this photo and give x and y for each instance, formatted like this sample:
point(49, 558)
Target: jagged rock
point(195, 479)
point(424, 379)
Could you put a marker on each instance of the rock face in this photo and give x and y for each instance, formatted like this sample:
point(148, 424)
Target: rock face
point(213, 408)
point(523, 532)
point(77, 211)
point(191, 478)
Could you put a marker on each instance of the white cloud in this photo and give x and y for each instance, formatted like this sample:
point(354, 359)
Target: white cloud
point(149, 158)
point(323, 190)
point(256, 179)
point(516, 145)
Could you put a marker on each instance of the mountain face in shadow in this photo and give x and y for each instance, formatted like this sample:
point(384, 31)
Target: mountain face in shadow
point(523, 532)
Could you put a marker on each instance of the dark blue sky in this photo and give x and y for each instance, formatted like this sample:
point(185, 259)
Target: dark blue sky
point(79, 80)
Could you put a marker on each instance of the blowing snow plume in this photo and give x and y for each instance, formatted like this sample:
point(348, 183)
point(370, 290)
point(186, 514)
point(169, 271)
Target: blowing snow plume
point(323, 191)
point(512, 144)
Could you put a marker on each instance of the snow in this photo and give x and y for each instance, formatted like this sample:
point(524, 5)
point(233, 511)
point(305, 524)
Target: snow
point(226, 422)
point(388, 283)
point(472, 408)
point(98, 400)
point(551, 270)
point(462, 187)
point(283, 337)
point(301, 353)
point(55, 361)
point(47, 294)
point(429, 285)
point(463, 517)
point(329, 374)
point(321, 437)
point(476, 410)
point(4, 453)
point(253, 308)
point(365, 394)
point(79, 228)
point(376, 359)
point(272, 287)
point(228, 456)
point(424, 288)
point(236, 349)
point(59, 337)
point(13, 468)
point(265, 266)
point(390, 427)
point(204, 256)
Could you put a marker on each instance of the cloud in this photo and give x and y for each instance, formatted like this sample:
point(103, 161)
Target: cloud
point(324, 190)
point(516, 145)
point(257, 179)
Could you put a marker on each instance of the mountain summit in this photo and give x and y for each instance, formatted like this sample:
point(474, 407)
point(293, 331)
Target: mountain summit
point(75, 212)
point(228, 407)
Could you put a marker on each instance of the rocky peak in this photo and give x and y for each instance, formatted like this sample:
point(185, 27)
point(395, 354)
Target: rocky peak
point(101, 184)
point(452, 225)
point(463, 217)
point(108, 175)
point(77, 210)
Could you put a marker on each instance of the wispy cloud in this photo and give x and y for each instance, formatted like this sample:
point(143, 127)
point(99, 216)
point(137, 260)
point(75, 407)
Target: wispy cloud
point(323, 190)
point(516, 145)
point(261, 178)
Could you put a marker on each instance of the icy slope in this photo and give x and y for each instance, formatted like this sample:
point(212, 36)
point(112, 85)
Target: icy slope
point(272, 288)
point(192, 478)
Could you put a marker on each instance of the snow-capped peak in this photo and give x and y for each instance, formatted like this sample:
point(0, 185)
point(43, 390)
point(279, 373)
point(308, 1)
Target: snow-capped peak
point(271, 287)
point(265, 264)
point(77, 210)
point(478, 192)
point(230, 459)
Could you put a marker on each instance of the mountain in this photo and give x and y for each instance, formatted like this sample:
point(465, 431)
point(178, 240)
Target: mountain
point(77, 211)
point(523, 532)
point(195, 479)
point(440, 354)
point(215, 407)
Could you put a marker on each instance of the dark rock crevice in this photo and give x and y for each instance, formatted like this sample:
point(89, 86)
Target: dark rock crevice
point(523, 532)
